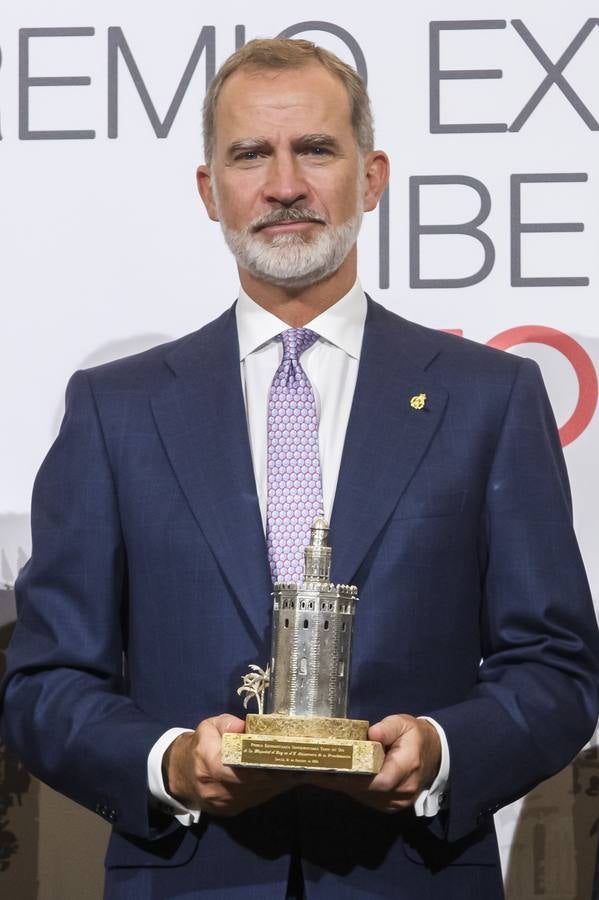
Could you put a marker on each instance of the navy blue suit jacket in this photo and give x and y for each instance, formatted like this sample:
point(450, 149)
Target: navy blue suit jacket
point(148, 594)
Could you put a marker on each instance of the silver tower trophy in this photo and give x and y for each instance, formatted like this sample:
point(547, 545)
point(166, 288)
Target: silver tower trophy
point(307, 681)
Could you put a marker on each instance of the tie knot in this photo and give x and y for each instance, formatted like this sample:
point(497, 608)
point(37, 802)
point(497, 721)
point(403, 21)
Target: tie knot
point(295, 341)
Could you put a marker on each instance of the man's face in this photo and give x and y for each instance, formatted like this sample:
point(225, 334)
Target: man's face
point(287, 178)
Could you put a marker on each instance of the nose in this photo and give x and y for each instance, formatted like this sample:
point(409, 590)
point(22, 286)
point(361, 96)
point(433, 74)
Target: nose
point(285, 185)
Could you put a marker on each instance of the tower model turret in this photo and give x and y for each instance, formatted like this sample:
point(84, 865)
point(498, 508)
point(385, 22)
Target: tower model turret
point(311, 637)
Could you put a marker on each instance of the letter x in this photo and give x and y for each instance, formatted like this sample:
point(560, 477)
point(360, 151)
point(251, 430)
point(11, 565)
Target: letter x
point(554, 74)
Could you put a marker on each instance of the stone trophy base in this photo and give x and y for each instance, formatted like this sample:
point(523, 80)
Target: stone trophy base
point(304, 743)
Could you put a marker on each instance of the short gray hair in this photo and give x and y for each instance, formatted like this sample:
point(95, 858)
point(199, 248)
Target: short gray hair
point(279, 53)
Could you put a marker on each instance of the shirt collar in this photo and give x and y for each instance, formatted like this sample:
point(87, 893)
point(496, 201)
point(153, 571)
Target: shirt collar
point(342, 324)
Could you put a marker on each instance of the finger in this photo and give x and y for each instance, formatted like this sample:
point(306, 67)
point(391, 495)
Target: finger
point(258, 777)
point(253, 781)
point(227, 724)
point(229, 799)
point(208, 749)
point(390, 729)
point(400, 764)
point(390, 805)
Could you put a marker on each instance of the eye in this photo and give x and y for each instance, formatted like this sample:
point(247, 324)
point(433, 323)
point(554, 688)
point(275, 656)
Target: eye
point(247, 155)
point(319, 151)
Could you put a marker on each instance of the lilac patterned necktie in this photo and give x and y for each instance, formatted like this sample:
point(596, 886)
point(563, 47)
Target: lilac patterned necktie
point(294, 486)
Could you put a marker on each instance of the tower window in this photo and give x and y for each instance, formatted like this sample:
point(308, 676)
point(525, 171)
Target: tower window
point(286, 623)
point(305, 623)
point(343, 624)
point(326, 624)
point(303, 666)
point(341, 668)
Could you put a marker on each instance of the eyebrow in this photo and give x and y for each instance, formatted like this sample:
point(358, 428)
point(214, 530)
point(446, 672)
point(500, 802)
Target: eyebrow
point(257, 144)
point(317, 140)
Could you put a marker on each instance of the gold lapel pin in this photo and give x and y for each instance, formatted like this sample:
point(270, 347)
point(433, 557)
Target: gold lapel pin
point(418, 401)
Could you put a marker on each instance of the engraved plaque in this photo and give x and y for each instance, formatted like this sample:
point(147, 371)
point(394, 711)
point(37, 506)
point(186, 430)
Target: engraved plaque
point(301, 754)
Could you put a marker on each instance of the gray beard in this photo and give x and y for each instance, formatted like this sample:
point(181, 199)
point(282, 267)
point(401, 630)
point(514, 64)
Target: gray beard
point(289, 260)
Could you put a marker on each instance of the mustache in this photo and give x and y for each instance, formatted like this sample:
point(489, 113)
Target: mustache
point(279, 216)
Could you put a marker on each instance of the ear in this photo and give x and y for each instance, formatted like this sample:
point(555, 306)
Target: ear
point(204, 182)
point(376, 168)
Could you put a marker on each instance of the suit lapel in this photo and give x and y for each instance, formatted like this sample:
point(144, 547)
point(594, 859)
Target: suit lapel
point(201, 419)
point(386, 437)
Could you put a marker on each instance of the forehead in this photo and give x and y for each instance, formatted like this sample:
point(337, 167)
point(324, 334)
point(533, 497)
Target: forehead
point(307, 99)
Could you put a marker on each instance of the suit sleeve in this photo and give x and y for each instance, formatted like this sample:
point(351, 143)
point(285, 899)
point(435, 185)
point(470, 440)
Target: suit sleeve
point(537, 697)
point(65, 708)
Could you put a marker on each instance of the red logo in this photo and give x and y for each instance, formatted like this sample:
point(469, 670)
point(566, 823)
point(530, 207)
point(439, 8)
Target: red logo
point(579, 359)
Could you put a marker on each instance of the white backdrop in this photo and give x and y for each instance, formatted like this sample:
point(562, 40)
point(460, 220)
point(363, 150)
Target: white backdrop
point(105, 247)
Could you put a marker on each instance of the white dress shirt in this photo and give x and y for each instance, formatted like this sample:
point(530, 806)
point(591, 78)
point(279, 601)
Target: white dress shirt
point(331, 364)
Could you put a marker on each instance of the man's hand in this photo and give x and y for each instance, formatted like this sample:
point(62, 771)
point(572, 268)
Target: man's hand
point(195, 776)
point(411, 764)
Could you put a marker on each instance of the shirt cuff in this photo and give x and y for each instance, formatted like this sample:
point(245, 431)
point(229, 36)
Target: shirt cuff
point(434, 798)
point(164, 801)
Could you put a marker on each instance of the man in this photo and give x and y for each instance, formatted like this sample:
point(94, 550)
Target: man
point(157, 523)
